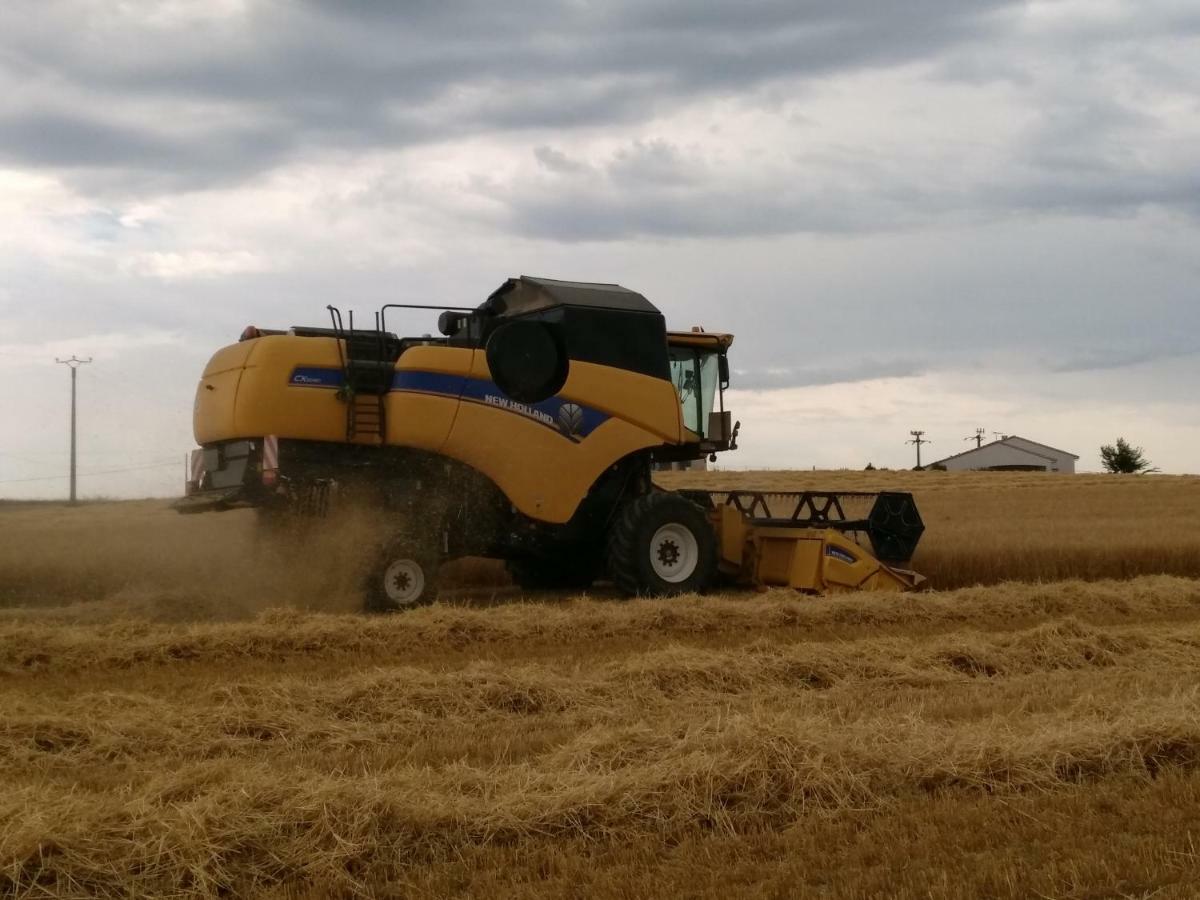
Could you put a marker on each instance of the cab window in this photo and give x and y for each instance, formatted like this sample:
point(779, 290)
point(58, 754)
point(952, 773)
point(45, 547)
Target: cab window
point(694, 374)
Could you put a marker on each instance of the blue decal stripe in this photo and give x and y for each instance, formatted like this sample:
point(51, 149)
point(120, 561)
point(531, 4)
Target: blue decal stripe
point(428, 382)
point(572, 420)
point(575, 421)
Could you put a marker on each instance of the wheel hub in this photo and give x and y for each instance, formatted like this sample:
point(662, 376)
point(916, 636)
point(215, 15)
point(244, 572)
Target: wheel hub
point(674, 553)
point(404, 581)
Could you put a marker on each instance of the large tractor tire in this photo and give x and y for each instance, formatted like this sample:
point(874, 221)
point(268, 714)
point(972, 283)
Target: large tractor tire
point(662, 544)
point(403, 576)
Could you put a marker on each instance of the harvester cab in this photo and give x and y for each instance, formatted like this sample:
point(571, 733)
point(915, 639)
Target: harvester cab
point(700, 373)
point(527, 431)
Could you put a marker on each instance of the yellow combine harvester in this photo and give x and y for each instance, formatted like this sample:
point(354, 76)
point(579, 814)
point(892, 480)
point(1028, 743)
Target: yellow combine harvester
point(526, 432)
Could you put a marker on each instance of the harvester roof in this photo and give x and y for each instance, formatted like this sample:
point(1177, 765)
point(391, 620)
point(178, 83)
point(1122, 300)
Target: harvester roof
point(526, 294)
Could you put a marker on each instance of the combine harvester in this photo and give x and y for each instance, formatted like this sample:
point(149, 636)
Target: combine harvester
point(527, 432)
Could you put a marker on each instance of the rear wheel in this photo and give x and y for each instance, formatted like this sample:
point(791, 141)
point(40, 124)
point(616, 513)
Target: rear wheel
point(404, 576)
point(661, 544)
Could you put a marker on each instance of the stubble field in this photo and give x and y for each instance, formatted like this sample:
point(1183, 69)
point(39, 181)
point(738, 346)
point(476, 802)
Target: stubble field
point(188, 710)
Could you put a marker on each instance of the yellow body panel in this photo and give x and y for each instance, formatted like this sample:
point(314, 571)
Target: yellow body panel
point(424, 420)
point(232, 357)
point(434, 358)
point(787, 557)
point(249, 391)
point(549, 475)
point(817, 560)
point(216, 395)
point(544, 473)
point(215, 405)
point(649, 403)
point(267, 404)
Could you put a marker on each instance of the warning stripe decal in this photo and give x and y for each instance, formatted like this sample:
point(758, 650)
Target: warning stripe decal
point(270, 452)
point(197, 465)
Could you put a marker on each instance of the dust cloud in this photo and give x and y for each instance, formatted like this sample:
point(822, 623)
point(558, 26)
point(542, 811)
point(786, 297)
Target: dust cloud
point(102, 561)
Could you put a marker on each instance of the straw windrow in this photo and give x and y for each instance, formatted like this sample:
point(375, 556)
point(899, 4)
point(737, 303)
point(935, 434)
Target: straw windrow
point(164, 734)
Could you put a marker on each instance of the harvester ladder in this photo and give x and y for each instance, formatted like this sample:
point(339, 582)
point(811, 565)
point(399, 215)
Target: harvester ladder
point(366, 416)
point(366, 377)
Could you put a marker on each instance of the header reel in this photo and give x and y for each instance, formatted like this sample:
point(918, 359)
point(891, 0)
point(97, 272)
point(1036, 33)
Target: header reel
point(889, 519)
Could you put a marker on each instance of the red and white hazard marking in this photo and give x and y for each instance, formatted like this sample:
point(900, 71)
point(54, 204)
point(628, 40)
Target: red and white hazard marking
point(195, 471)
point(270, 460)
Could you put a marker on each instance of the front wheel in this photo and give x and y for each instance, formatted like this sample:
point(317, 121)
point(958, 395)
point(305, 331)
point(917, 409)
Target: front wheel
point(403, 577)
point(662, 544)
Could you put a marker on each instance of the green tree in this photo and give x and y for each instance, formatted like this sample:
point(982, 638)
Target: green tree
point(1123, 458)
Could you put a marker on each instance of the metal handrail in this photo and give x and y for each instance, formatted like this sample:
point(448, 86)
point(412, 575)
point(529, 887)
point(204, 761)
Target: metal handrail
point(383, 310)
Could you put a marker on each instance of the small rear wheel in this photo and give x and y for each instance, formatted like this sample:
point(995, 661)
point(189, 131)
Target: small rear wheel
point(404, 576)
point(662, 544)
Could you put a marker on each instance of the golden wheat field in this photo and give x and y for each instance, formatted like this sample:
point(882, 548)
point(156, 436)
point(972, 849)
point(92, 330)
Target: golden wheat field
point(189, 709)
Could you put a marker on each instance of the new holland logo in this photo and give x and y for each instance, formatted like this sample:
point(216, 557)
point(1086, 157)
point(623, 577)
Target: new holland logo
point(570, 419)
point(523, 409)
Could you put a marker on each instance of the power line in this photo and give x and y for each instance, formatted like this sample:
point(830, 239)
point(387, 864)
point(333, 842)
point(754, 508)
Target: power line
point(45, 460)
point(32, 457)
point(977, 437)
point(161, 465)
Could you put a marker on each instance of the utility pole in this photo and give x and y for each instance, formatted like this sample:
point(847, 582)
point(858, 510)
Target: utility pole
point(977, 437)
point(918, 438)
point(73, 364)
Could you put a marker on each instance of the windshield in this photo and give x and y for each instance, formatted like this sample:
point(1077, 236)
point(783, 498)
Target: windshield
point(694, 374)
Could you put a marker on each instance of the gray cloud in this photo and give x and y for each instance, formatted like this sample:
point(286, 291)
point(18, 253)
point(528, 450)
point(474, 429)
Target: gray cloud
point(557, 161)
point(992, 193)
point(636, 196)
point(325, 74)
point(138, 106)
point(144, 156)
point(1123, 357)
point(1088, 154)
point(849, 372)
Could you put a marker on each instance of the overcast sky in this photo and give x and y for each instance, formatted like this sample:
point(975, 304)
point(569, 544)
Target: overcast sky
point(938, 214)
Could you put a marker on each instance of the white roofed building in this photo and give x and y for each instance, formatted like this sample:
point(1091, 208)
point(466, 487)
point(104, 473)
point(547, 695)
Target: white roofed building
point(1010, 454)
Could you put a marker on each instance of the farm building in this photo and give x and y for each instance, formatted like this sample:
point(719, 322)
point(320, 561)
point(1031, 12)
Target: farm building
point(1010, 454)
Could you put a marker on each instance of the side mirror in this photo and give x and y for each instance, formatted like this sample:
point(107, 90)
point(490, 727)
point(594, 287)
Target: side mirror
point(449, 323)
point(723, 370)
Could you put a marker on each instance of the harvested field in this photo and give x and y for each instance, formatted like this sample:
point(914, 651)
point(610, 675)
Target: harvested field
point(139, 557)
point(185, 711)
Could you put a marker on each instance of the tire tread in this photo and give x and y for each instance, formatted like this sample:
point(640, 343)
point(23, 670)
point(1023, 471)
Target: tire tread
point(624, 564)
